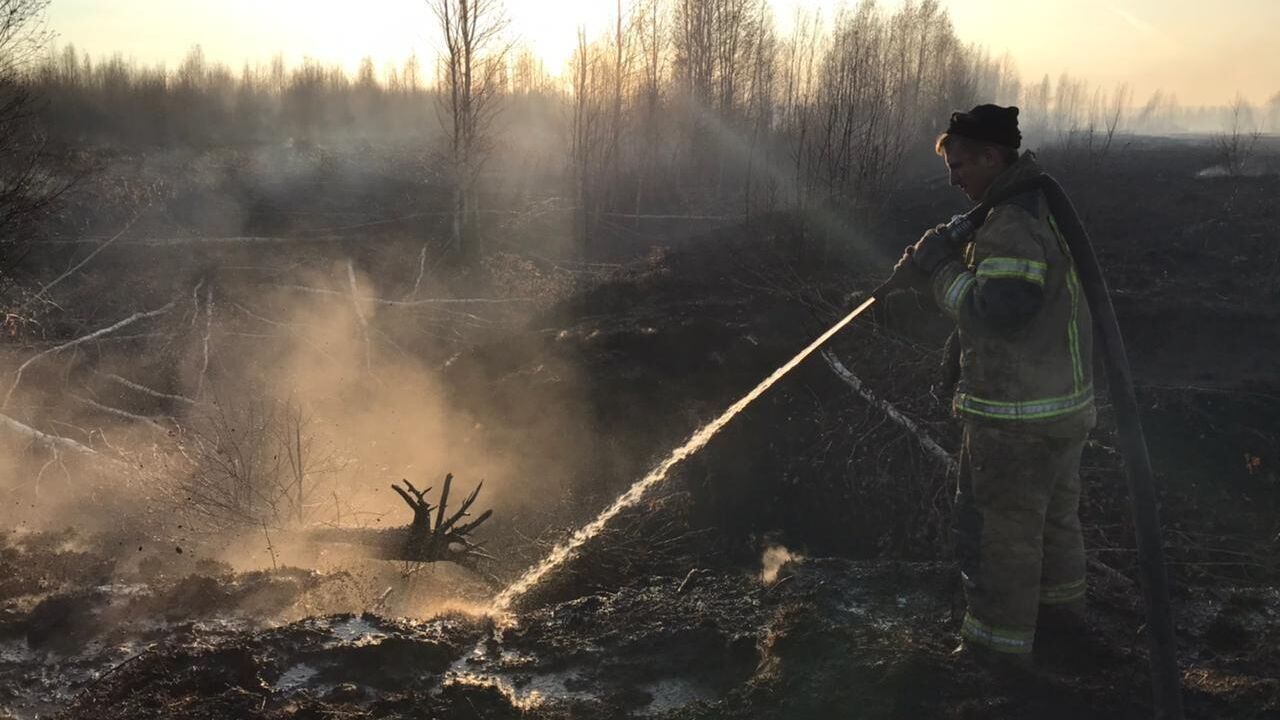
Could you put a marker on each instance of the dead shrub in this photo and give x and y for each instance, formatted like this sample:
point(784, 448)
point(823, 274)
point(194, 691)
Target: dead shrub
point(254, 462)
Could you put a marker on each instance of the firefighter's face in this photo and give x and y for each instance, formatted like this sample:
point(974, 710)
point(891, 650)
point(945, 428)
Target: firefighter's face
point(972, 169)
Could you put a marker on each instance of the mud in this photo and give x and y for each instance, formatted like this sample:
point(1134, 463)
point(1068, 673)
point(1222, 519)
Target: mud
point(827, 638)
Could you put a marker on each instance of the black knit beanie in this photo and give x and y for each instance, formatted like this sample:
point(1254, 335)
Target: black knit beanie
point(988, 123)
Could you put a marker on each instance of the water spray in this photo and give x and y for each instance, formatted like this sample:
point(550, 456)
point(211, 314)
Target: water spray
point(958, 230)
point(696, 442)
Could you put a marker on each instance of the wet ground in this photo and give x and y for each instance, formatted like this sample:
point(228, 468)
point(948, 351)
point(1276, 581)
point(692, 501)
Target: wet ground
point(825, 638)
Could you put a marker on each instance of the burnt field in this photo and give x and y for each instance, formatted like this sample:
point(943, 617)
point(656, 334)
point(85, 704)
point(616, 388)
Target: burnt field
point(199, 509)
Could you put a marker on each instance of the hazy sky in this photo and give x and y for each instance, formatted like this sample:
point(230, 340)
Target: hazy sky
point(1203, 51)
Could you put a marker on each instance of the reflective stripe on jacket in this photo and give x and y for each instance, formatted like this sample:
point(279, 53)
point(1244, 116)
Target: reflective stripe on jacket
point(1041, 372)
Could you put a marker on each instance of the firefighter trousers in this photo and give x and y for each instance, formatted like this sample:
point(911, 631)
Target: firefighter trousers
point(1017, 532)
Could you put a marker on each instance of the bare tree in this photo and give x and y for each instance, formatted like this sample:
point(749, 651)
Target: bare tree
point(622, 58)
point(26, 187)
point(1238, 142)
point(652, 31)
point(472, 74)
point(798, 90)
point(713, 47)
point(585, 136)
point(885, 79)
point(603, 90)
point(1113, 115)
point(252, 463)
point(1148, 117)
point(759, 105)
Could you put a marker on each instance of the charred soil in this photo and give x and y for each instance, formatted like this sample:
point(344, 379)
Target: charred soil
point(669, 613)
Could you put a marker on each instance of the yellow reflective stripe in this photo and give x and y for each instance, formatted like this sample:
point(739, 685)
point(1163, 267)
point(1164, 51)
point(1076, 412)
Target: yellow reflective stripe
point(956, 291)
point(1073, 324)
point(1073, 330)
point(1025, 409)
point(1017, 268)
point(1062, 593)
point(997, 638)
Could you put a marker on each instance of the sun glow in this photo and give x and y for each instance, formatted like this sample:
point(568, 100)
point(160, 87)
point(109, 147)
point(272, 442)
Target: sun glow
point(329, 31)
point(1204, 54)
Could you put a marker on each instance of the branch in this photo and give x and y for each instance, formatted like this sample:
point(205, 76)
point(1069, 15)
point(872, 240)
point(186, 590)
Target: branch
point(422, 269)
point(364, 322)
point(406, 303)
point(146, 390)
point(208, 330)
point(153, 422)
point(78, 265)
point(57, 443)
point(17, 378)
point(927, 442)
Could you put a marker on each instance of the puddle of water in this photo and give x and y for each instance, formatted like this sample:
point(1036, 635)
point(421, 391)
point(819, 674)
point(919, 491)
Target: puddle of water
point(673, 694)
point(357, 631)
point(511, 674)
point(45, 680)
point(125, 590)
point(553, 686)
point(526, 691)
point(295, 678)
point(16, 652)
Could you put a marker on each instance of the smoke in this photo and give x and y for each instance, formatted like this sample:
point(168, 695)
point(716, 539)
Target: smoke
point(318, 328)
point(771, 562)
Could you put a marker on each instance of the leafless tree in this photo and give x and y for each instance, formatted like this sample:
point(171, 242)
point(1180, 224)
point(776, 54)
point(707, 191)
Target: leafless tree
point(1238, 142)
point(1153, 113)
point(585, 136)
point(253, 462)
point(1113, 115)
point(622, 58)
point(528, 73)
point(759, 107)
point(714, 43)
point(472, 75)
point(1037, 106)
point(652, 30)
point(1237, 146)
point(604, 89)
point(26, 185)
point(1090, 139)
point(885, 79)
point(798, 91)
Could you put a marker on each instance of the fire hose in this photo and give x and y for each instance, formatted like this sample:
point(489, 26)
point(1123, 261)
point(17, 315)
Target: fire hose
point(1165, 676)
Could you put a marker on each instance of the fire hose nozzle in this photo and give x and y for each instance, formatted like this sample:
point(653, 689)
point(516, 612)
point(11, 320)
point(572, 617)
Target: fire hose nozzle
point(959, 229)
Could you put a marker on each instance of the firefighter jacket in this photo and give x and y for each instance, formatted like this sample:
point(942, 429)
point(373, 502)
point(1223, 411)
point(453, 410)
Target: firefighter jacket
point(1024, 327)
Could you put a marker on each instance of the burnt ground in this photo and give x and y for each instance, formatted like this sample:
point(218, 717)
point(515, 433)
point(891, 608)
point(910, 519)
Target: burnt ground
point(667, 613)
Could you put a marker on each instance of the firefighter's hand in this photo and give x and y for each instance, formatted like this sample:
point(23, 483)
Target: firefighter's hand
point(907, 274)
point(930, 252)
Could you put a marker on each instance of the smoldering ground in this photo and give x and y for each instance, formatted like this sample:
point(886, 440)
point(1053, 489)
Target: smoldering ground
point(231, 340)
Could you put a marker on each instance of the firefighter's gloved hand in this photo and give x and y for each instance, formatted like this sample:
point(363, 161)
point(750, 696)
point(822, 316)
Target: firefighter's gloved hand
point(931, 252)
point(906, 274)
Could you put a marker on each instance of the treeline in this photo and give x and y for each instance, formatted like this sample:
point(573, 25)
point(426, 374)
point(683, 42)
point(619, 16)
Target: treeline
point(694, 104)
point(201, 103)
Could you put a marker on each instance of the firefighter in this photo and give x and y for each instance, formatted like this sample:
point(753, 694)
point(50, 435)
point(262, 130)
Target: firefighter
point(1024, 395)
